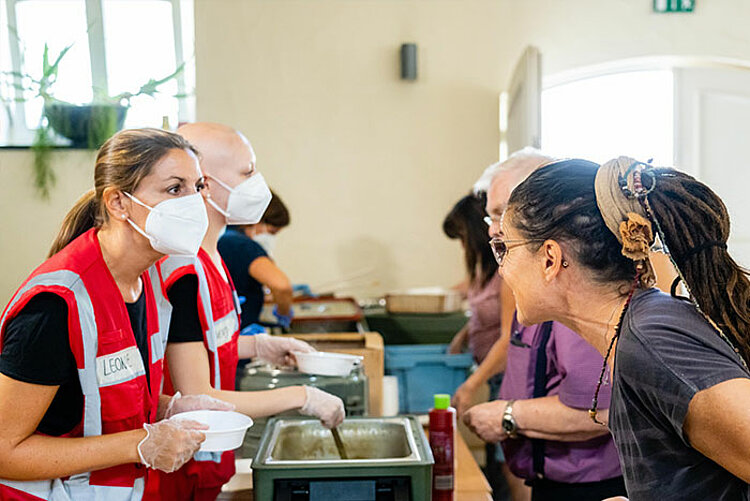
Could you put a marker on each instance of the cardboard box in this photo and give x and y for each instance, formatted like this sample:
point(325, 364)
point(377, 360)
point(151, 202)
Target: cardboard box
point(424, 300)
point(368, 345)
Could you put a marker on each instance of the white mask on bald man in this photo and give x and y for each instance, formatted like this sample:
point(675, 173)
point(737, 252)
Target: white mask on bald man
point(247, 201)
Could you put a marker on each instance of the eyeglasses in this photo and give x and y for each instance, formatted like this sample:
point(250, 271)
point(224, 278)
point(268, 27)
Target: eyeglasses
point(489, 220)
point(500, 246)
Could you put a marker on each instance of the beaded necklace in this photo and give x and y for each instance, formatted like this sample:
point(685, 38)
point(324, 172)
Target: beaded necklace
point(618, 328)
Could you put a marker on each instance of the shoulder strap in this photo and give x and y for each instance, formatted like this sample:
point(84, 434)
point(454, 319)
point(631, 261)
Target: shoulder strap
point(540, 390)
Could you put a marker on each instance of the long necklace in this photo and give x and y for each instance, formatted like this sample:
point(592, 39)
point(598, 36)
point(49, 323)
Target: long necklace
point(618, 328)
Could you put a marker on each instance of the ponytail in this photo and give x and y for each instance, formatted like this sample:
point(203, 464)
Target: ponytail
point(81, 218)
point(696, 228)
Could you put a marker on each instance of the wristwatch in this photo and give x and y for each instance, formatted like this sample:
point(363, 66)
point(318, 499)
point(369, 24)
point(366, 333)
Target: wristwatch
point(509, 423)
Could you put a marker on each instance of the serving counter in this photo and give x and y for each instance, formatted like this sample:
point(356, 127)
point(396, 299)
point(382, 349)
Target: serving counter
point(471, 485)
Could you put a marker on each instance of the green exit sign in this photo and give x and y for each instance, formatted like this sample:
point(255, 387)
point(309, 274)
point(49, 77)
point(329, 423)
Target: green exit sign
point(674, 5)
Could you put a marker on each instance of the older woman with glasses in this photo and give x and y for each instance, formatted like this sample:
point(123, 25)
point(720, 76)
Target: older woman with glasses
point(575, 249)
point(541, 418)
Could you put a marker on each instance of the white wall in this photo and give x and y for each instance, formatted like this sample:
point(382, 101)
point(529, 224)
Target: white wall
point(577, 33)
point(28, 224)
point(368, 164)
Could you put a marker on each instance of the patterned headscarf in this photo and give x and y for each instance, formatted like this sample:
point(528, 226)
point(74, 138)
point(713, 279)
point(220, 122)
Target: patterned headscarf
point(621, 186)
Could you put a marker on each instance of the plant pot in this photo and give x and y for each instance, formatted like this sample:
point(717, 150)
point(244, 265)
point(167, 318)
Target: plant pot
point(87, 126)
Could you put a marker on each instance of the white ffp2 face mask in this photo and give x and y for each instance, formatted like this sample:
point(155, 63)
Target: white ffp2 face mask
point(247, 201)
point(175, 226)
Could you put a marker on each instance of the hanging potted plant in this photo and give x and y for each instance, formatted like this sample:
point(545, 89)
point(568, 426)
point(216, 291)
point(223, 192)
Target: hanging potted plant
point(85, 125)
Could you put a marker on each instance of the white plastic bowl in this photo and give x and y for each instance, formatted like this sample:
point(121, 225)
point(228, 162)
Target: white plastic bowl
point(226, 429)
point(323, 363)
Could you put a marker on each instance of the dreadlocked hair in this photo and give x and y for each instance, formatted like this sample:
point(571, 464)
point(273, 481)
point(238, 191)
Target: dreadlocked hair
point(690, 214)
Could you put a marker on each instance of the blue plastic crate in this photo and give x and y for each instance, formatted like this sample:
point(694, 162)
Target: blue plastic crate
point(423, 370)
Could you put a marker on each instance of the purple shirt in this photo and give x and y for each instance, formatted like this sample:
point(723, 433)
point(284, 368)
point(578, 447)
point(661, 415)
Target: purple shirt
point(573, 368)
point(484, 324)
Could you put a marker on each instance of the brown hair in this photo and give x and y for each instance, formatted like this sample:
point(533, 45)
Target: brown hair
point(122, 162)
point(276, 214)
point(465, 222)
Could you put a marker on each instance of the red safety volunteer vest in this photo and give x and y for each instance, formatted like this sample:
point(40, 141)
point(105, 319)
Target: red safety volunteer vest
point(117, 395)
point(219, 313)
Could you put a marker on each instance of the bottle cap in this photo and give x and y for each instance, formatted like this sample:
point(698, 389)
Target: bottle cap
point(442, 401)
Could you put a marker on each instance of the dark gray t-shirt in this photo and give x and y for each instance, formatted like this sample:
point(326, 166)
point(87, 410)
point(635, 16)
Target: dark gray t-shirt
point(667, 353)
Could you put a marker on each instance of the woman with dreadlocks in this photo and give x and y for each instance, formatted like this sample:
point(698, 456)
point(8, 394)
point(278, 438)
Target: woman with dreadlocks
point(574, 249)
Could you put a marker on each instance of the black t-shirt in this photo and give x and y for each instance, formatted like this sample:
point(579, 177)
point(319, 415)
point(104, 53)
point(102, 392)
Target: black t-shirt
point(185, 325)
point(36, 349)
point(238, 251)
point(666, 354)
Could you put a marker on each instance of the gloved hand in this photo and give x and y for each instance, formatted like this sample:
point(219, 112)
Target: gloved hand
point(180, 403)
point(278, 350)
point(252, 330)
point(170, 444)
point(324, 406)
point(283, 320)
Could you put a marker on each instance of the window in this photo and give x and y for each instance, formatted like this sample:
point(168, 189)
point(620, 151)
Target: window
point(599, 118)
point(116, 46)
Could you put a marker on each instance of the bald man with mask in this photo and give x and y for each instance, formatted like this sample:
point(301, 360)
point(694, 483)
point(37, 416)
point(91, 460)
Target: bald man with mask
point(204, 344)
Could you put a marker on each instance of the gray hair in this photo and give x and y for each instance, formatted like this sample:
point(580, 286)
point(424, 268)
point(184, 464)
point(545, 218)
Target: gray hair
point(523, 162)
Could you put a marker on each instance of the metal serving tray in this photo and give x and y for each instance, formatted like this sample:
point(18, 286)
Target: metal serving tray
point(368, 441)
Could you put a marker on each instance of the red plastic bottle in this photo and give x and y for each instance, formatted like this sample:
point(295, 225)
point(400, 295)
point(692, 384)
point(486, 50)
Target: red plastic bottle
point(443, 445)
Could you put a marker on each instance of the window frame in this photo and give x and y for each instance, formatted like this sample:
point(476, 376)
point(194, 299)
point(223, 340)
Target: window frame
point(98, 59)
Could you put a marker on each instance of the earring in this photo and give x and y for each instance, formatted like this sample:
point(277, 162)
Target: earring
point(564, 264)
point(123, 216)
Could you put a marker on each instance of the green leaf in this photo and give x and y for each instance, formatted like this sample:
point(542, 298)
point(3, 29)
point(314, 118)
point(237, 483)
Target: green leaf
point(51, 70)
point(150, 88)
point(44, 176)
point(45, 60)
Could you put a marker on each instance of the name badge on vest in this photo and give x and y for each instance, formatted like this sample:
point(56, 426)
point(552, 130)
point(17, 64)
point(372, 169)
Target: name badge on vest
point(119, 367)
point(225, 327)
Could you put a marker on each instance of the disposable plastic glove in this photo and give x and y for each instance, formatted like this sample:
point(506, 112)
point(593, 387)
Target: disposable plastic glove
point(283, 320)
point(184, 403)
point(324, 406)
point(170, 444)
point(278, 350)
point(253, 329)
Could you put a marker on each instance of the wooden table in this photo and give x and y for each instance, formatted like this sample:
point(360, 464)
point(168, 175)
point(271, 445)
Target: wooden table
point(471, 485)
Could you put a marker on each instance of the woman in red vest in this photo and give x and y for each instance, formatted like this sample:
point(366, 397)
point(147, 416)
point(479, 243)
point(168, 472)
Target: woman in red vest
point(82, 340)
